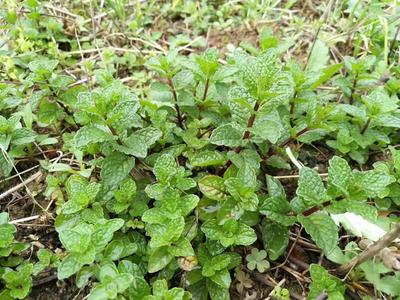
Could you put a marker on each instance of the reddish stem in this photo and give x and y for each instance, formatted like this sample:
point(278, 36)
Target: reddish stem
point(291, 139)
point(246, 136)
point(178, 111)
point(206, 89)
point(366, 126)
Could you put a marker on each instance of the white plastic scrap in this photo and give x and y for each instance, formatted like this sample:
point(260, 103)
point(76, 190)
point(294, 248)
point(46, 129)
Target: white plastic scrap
point(359, 226)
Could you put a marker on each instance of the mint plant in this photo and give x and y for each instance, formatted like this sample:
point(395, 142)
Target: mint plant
point(325, 284)
point(370, 124)
point(165, 223)
point(15, 272)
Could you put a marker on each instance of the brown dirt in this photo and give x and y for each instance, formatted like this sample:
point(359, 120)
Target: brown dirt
point(234, 36)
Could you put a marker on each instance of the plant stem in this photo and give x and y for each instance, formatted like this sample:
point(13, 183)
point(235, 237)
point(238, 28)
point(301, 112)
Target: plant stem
point(394, 41)
point(292, 107)
point(209, 129)
point(292, 104)
point(371, 251)
point(250, 122)
point(246, 135)
point(178, 111)
point(206, 89)
point(201, 106)
point(195, 88)
point(291, 139)
point(353, 88)
point(366, 126)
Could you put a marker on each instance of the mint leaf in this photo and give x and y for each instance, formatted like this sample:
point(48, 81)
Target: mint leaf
point(275, 239)
point(226, 135)
point(231, 233)
point(138, 143)
point(159, 259)
point(207, 158)
point(268, 125)
point(213, 187)
point(92, 134)
point(115, 168)
point(374, 183)
point(323, 282)
point(69, 266)
point(311, 188)
point(322, 230)
point(165, 168)
point(340, 174)
point(81, 193)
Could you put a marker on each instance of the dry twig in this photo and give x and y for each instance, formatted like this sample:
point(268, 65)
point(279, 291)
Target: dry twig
point(371, 251)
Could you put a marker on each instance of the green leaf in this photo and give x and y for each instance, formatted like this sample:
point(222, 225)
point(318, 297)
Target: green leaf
point(19, 282)
point(123, 196)
point(216, 264)
point(231, 233)
point(80, 193)
point(374, 183)
point(182, 248)
point(207, 158)
point(222, 278)
point(379, 102)
point(69, 266)
point(43, 66)
point(360, 208)
point(23, 136)
point(276, 207)
point(275, 188)
point(182, 79)
point(354, 111)
point(76, 239)
point(159, 259)
point(165, 234)
point(92, 134)
point(118, 249)
point(115, 168)
point(396, 158)
point(275, 239)
point(6, 231)
point(268, 126)
point(340, 174)
point(217, 292)
point(311, 188)
point(213, 187)
point(138, 143)
point(323, 282)
point(387, 120)
point(110, 287)
point(256, 260)
point(245, 235)
point(5, 165)
point(374, 273)
point(326, 74)
point(165, 168)
point(226, 135)
point(322, 230)
point(124, 116)
point(104, 231)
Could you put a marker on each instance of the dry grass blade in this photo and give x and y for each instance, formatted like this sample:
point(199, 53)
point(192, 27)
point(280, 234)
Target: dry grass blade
point(24, 183)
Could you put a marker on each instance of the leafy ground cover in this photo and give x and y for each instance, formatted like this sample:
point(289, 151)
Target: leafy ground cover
point(199, 150)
